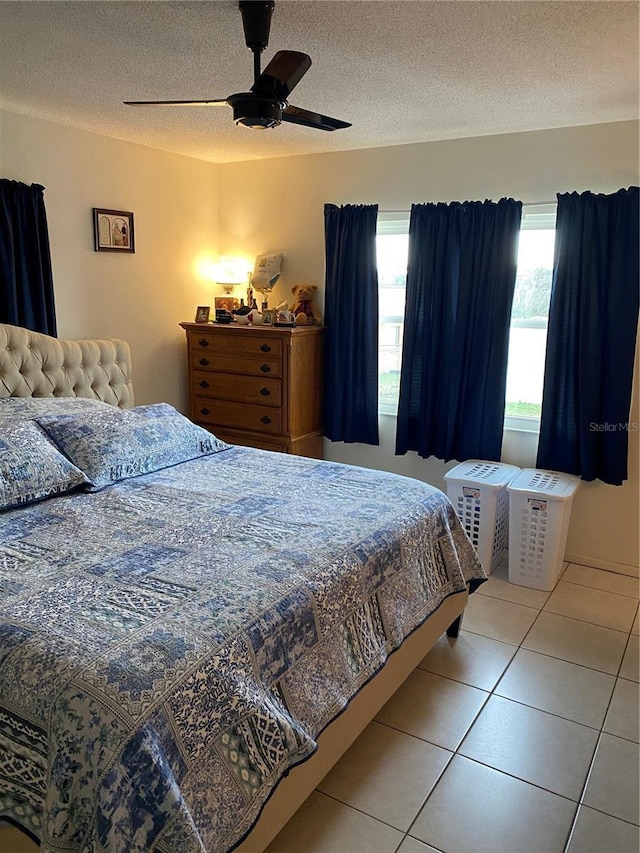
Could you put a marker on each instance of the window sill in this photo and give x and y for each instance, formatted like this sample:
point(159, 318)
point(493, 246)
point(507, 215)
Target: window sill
point(515, 424)
point(512, 424)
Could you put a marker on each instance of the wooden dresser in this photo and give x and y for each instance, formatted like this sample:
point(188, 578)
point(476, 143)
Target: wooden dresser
point(258, 385)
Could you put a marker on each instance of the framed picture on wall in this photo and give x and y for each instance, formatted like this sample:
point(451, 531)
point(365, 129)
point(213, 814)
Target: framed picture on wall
point(113, 230)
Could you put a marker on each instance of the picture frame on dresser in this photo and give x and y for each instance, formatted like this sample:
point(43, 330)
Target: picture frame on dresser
point(267, 317)
point(226, 303)
point(202, 313)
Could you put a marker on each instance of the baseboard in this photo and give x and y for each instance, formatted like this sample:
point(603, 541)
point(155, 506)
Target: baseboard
point(607, 565)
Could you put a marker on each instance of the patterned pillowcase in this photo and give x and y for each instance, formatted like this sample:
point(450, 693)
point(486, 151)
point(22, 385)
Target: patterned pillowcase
point(13, 409)
point(31, 468)
point(115, 444)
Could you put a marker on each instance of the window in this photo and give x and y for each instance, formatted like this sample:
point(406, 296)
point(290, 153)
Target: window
point(528, 334)
point(392, 247)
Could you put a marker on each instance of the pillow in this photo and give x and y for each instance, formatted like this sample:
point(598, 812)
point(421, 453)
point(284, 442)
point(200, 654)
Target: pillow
point(31, 468)
point(115, 444)
point(13, 409)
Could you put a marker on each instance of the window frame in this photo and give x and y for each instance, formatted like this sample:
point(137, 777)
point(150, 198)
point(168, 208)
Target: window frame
point(534, 217)
point(390, 223)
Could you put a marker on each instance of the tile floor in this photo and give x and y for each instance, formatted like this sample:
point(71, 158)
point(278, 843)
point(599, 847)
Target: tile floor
point(521, 736)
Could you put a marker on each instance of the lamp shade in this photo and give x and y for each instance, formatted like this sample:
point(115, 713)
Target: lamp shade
point(231, 271)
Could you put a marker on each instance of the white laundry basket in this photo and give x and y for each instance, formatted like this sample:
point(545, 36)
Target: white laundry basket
point(539, 514)
point(476, 489)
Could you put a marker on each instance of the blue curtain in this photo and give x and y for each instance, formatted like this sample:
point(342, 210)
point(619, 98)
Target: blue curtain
point(592, 335)
point(460, 281)
point(351, 318)
point(26, 278)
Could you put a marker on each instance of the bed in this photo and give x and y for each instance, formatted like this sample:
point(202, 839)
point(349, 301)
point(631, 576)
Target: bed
point(188, 645)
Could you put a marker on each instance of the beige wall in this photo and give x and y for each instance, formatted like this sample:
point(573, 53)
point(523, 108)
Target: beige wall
point(278, 204)
point(140, 297)
point(187, 210)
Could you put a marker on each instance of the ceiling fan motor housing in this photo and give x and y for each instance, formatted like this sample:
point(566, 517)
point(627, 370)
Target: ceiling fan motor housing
point(256, 21)
point(255, 111)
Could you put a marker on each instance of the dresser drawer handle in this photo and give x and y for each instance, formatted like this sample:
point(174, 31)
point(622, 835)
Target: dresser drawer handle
point(204, 411)
point(265, 419)
point(203, 342)
point(265, 392)
point(204, 362)
point(265, 348)
point(204, 384)
point(265, 368)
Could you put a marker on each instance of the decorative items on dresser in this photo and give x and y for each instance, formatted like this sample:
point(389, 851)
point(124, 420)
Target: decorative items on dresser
point(260, 387)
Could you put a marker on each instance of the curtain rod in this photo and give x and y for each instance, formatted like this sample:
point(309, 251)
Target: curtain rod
point(524, 204)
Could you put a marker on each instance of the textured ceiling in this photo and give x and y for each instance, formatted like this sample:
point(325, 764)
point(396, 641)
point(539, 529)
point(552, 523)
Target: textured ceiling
point(401, 72)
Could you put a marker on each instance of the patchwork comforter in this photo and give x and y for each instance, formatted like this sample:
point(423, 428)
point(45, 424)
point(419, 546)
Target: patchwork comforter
point(172, 645)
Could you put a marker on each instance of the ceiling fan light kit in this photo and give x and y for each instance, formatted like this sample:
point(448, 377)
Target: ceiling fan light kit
point(255, 112)
point(265, 105)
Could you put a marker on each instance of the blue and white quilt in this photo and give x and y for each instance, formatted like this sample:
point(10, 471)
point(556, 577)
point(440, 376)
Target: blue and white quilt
point(171, 645)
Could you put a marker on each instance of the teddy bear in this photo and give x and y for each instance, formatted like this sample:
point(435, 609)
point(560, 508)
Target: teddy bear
point(304, 309)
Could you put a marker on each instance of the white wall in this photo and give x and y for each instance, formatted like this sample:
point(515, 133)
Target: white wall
point(278, 204)
point(140, 297)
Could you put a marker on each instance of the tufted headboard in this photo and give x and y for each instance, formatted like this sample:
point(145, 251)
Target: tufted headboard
point(36, 365)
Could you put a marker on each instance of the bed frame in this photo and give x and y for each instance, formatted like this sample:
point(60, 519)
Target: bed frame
point(36, 365)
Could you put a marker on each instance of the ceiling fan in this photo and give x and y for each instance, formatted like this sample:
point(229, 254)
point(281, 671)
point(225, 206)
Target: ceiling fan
point(266, 104)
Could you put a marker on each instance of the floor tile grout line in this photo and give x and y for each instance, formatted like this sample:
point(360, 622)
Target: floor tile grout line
point(601, 732)
point(579, 803)
point(586, 782)
point(598, 569)
point(588, 621)
point(572, 662)
point(456, 752)
point(493, 692)
point(424, 802)
point(417, 737)
point(551, 713)
point(575, 663)
point(507, 601)
point(488, 637)
point(606, 814)
point(517, 778)
point(519, 646)
point(379, 819)
point(599, 589)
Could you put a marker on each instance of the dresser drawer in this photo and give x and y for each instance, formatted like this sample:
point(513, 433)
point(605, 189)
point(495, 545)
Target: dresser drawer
point(240, 415)
point(250, 439)
point(241, 364)
point(240, 341)
point(241, 389)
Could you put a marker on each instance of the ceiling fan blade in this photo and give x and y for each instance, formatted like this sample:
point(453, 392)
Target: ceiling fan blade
point(282, 74)
point(220, 102)
point(295, 115)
